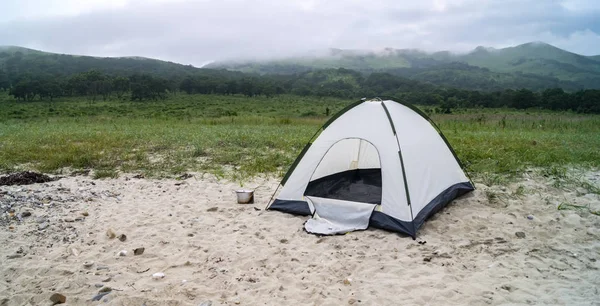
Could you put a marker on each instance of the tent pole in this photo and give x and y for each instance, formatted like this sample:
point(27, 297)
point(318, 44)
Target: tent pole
point(412, 218)
point(272, 196)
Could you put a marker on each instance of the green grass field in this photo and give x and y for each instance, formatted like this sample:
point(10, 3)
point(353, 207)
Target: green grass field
point(241, 137)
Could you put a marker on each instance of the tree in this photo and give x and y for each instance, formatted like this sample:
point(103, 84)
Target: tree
point(524, 98)
point(120, 85)
point(4, 81)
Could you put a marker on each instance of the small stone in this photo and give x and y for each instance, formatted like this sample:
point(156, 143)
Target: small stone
point(206, 303)
point(508, 288)
point(101, 268)
point(283, 241)
point(107, 279)
point(88, 264)
point(347, 281)
point(158, 275)
point(122, 237)
point(138, 251)
point(75, 252)
point(26, 214)
point(105, 289)
point(110, 233)
point(58, 298)
point(520, 235)
point(427, 259)
point(123, 253)
point(85, 213)
point(212, 209)
point(70, 220)
point(43, 226)
point(14, 256)
point(351, 301)
point(530, 217)
point(99, 285)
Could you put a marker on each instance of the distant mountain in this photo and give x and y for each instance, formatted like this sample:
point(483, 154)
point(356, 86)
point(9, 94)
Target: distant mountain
point(533, 65)
point(535, 58)
point(20, 62)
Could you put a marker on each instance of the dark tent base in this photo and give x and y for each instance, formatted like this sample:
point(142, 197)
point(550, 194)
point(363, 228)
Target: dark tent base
point(359, 185)
point(383, 221)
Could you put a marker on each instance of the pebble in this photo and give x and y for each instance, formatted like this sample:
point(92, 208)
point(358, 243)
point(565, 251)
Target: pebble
point(99, 285)
point(110, 233)
point(206, 303)
point(508, 288)
point(123, 253)
point(58, 298)
point(85, 213)
point(530, 217)
point(88, 264)
point(158, 275)
point(122, 237)
point(138, 251)
point(520, 235)
point(43, 226)
point(106, 280)
point(26, 214)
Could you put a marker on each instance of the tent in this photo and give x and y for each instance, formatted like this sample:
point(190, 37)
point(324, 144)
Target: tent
point(376, 163)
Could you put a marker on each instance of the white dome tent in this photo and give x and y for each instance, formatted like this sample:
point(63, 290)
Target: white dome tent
point(376, 163)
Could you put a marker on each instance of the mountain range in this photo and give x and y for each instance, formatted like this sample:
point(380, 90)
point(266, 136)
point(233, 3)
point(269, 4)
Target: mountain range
point(534, 65)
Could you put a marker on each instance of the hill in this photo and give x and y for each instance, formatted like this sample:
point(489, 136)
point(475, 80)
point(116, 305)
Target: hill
point(18, 62)
point(534, 66)
point(536, 58)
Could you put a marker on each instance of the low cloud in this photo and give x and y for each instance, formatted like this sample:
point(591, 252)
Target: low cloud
point(194, 32)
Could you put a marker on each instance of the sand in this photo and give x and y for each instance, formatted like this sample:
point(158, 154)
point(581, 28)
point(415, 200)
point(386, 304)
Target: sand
point(213, 250)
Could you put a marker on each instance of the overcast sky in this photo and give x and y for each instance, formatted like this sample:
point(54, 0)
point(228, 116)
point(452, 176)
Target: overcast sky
point(199, 31)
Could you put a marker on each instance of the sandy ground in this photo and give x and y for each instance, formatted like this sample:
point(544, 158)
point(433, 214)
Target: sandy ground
point(215, 251)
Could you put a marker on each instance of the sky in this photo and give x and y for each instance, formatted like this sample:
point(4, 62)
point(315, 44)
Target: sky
point(200, 31)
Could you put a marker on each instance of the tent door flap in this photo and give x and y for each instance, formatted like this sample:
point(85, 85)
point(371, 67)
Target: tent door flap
point(333, 217)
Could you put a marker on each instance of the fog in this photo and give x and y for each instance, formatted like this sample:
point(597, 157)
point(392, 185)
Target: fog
point(197, 32)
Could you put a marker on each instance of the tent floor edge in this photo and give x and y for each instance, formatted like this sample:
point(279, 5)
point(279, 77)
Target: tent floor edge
point(294, 207)
point(442, 200)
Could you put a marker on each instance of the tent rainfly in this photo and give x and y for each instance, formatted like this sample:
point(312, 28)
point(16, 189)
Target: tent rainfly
point(376, 163)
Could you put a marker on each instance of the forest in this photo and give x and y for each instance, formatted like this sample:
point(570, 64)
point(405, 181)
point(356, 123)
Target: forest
point(29, 76)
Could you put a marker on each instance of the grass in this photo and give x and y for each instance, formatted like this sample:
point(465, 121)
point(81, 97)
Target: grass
point(240, 137)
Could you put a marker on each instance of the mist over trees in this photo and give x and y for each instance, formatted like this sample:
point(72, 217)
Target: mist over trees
point(37, 76)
